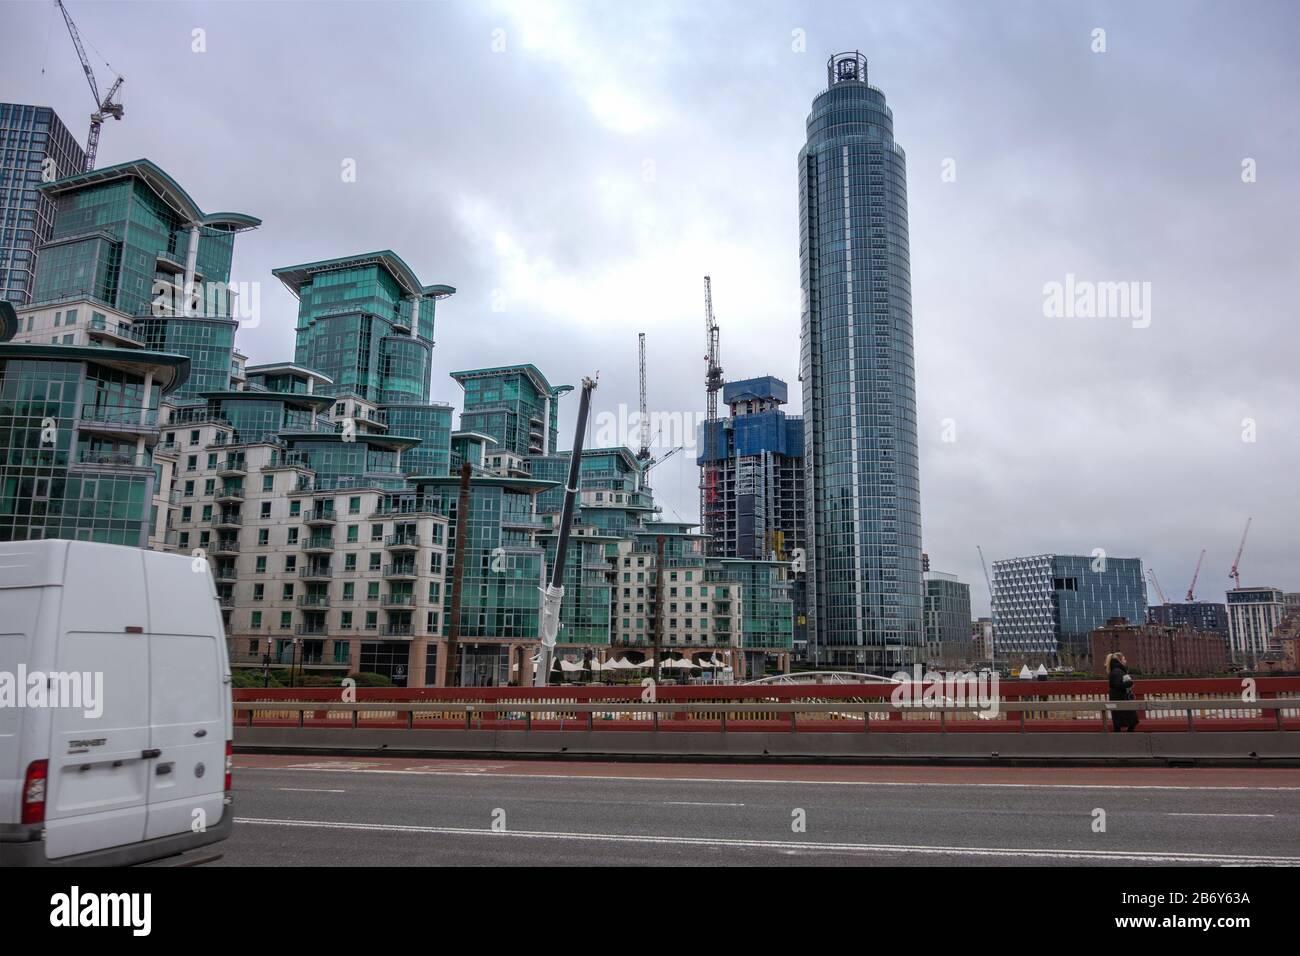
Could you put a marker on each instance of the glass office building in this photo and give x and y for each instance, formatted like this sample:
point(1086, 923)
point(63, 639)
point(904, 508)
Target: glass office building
point(864, 588)
point(1045, 606)
point(35, 147)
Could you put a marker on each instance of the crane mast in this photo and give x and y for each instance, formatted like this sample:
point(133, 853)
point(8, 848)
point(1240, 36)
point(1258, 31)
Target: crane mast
point(105, 107)
point(1234, 574)
point(992, 625)
point(712, 385)
point(643, 454)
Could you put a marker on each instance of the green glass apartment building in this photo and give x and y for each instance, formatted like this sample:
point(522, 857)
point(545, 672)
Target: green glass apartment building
point(78, 428)
point(862, 491)
point(514, 404)
point(128, 240)
point(367, 323)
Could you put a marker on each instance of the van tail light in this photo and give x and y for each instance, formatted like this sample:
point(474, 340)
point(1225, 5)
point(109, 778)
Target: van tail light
point(230, 764)
point(34, 787)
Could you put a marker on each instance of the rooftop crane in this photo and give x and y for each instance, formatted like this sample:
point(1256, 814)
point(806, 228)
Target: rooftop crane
point(103, 107)
point(1234, 574)
point(1155, 583)
point(1191, 588)
point(643, 454)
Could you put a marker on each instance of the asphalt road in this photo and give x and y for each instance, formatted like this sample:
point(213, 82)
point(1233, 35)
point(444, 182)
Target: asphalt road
point(394, 812)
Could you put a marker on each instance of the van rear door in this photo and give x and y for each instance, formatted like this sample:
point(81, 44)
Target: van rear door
point(190, 694)
point(186, 786)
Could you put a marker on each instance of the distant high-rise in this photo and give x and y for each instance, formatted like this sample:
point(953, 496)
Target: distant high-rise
point(865, 595)
point(1046, 606)
point(35, 147)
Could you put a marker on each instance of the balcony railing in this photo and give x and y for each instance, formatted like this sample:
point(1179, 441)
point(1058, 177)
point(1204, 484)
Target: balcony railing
point(316, 571)
point(402, 541)
point(117, 459)
point(399, 600)
point(321, 601)
point(399, 630)
point(121, 416)
point(404, 570)
point(318, 542)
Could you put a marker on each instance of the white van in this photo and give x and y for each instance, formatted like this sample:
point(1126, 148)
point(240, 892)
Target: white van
point(115, 713)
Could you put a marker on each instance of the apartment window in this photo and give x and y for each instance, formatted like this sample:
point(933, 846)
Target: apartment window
point(349, 590)
point(187, 513)
point(212, 461)
point(345, 622)
point(376, 532)
point(192, 463)
point(185, 539)
point(256, 622)
point(292, 537)
point(349, 562)
point(263, 537)
point(354, 506)
point(372, 590)
point(290, 563)
point(259, 565)
point(286, 592)
point(266, 509)
point(268, 482)
point(259, 592)
point(375, 560)
point(189, 489)
point(295, 508)
point(353, 531)
point(286, 620)
point(209, 486)
point(342, 652)
point(194, 438)
point(372, 620)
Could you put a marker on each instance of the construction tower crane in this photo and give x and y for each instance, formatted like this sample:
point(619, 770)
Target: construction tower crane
point(992, 624)
point(1234, 574)
point(1191, 588)
point(712, 385)
point(1155, 583)
point(103, 107)
point(643, 454)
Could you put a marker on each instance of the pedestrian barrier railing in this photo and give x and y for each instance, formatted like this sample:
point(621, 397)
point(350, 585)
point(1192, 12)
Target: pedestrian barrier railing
point(1187, 714)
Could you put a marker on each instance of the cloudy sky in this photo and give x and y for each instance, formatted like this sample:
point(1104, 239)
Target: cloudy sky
point(574, 169)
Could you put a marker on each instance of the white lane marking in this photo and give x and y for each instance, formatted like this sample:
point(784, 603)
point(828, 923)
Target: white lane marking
point(695, 803)
point(791, 845)
point(817, 783)
point(307, 790)
point(1268, 816)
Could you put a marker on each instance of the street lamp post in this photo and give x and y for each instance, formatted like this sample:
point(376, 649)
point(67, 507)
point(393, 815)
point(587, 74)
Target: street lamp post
point(266, 665)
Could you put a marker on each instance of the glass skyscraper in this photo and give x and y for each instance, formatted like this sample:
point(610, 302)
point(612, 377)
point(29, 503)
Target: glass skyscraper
point(35, 147)
point(862, 488)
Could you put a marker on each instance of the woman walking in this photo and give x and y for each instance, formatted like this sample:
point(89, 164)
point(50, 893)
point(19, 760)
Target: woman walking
point(1121, 688)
